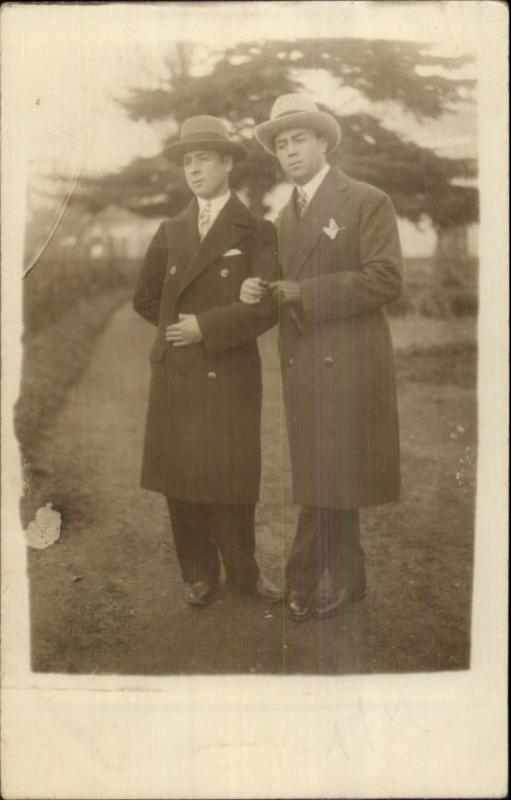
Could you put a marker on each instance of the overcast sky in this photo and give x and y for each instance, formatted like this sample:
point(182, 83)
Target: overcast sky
point(73, 60)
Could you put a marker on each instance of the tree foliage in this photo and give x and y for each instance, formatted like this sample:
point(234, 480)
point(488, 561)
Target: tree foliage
point(241, 83)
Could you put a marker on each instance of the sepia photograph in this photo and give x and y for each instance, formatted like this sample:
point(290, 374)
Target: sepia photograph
point(272, 421)
point(247, 419)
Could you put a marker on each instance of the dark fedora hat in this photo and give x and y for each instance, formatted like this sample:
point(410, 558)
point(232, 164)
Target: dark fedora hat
point(204, 133)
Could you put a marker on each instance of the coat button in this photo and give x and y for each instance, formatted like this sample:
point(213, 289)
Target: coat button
point(290, 362)
point(329, 361)
point(212, 376)
point(173, 270)
point(224, 273)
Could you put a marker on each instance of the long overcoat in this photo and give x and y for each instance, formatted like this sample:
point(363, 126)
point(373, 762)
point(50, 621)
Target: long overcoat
point(336, 352)
point(202, 439)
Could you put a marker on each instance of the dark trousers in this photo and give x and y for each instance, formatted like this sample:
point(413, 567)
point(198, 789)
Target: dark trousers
point(326, 538)
point(205, 532)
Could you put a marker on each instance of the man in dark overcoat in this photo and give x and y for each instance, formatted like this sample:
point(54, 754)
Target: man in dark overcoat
point(202, 441)
point(341, 265)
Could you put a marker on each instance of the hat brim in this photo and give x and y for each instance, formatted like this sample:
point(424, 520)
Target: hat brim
point(319, 121)
point(175, 152)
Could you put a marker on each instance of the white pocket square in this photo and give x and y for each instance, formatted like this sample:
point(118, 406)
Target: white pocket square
point(234, 252)
point(333, 229)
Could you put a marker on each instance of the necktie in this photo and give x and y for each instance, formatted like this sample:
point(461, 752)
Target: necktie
point(303, 201)
point(204, 220)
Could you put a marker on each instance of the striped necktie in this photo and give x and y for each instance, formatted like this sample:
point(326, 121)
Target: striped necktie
point(302, 201)
point(204, 221)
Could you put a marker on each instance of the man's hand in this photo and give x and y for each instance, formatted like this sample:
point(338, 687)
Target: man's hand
point(184, 332)
point(253, 290)
point(289, 292)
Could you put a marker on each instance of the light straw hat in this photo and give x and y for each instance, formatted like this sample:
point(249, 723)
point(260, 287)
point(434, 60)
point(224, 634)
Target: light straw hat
point(297, 110)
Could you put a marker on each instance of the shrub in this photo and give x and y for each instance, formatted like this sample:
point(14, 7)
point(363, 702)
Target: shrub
point(57, 283)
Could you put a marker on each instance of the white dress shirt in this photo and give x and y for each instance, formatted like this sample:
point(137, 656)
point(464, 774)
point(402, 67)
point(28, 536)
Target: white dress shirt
point(311, 187)
point(215, 205)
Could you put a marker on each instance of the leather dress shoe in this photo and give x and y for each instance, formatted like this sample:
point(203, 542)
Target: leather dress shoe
point(199, 593)
point(336, 601)
point(299, 605)
point(264, 590)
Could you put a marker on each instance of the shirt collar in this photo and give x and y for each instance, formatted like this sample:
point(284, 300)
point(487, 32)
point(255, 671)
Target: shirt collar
point(313, 185)
point(216, 204)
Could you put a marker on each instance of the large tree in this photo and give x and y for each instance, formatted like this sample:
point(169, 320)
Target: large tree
point(240, 84)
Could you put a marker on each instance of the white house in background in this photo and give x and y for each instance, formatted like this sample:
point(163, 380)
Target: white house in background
point(417, 241)
point(421, 241)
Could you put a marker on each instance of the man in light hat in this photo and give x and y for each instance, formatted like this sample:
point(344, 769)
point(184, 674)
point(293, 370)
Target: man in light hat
point(202, 441)
point(341, 265)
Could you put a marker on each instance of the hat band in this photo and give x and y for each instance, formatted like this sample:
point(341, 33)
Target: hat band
point(297, 111)
point(205, 135)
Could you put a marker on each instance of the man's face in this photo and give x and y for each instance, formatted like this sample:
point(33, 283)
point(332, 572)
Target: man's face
point(301, 153)
point(207, 173)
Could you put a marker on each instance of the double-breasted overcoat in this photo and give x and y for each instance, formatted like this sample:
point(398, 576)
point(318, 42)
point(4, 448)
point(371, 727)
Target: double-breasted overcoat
point(336, 353)
point(202, 439)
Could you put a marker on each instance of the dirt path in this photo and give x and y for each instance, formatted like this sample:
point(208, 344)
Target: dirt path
point(108, 596)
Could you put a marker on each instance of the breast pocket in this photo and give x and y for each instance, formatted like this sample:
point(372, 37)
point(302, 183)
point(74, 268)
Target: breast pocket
point(327, 256)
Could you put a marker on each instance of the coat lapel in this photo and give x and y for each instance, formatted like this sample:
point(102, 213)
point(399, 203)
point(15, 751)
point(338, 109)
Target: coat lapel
point(229, 228)
point(183, 236)
point(297, 239)
point(287, 226)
